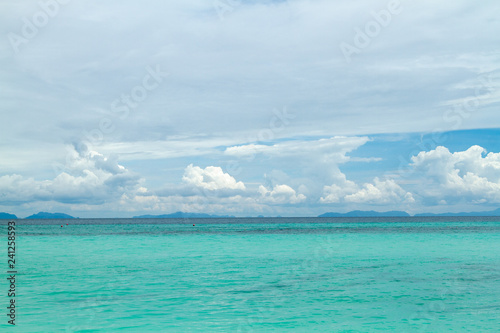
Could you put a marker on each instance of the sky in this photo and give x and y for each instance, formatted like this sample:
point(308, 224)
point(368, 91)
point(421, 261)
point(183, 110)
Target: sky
point(247, 108)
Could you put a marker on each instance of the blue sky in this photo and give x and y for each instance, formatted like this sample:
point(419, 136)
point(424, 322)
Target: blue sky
point(291, 108)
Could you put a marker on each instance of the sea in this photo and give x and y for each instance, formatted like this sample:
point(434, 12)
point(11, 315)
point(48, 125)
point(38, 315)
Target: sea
point(398, 274)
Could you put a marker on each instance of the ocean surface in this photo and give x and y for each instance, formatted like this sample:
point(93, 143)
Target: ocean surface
point(255, 275)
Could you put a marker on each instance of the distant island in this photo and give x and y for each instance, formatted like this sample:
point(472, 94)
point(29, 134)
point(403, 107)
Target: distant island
point(372, 213)
point(6, 216)
point(45, 215)
point(181, 215)
point(355, 213)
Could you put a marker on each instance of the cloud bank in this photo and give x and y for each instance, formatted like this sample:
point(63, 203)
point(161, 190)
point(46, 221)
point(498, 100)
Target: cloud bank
point(465, 176)
point(90, 178)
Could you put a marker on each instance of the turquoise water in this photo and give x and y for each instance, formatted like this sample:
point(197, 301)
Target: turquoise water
point(256, 275)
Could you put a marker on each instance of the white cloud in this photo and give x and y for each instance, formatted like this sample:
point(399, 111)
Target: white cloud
point(312, 162)
point(469, 176)
point(281, 194)
point(378, 192)
point(169, 148)
point(331, 149)
point(338, 190)
point(211, 178)
point(322, 159)
point(157, 204)
point(89, 177)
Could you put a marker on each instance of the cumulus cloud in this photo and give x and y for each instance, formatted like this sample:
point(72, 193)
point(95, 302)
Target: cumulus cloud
point(281, 194)
point(89, 177)
point(471, 175)
point(338, 190)
point(378, 192)
point(211, 178)
point(322, 159)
